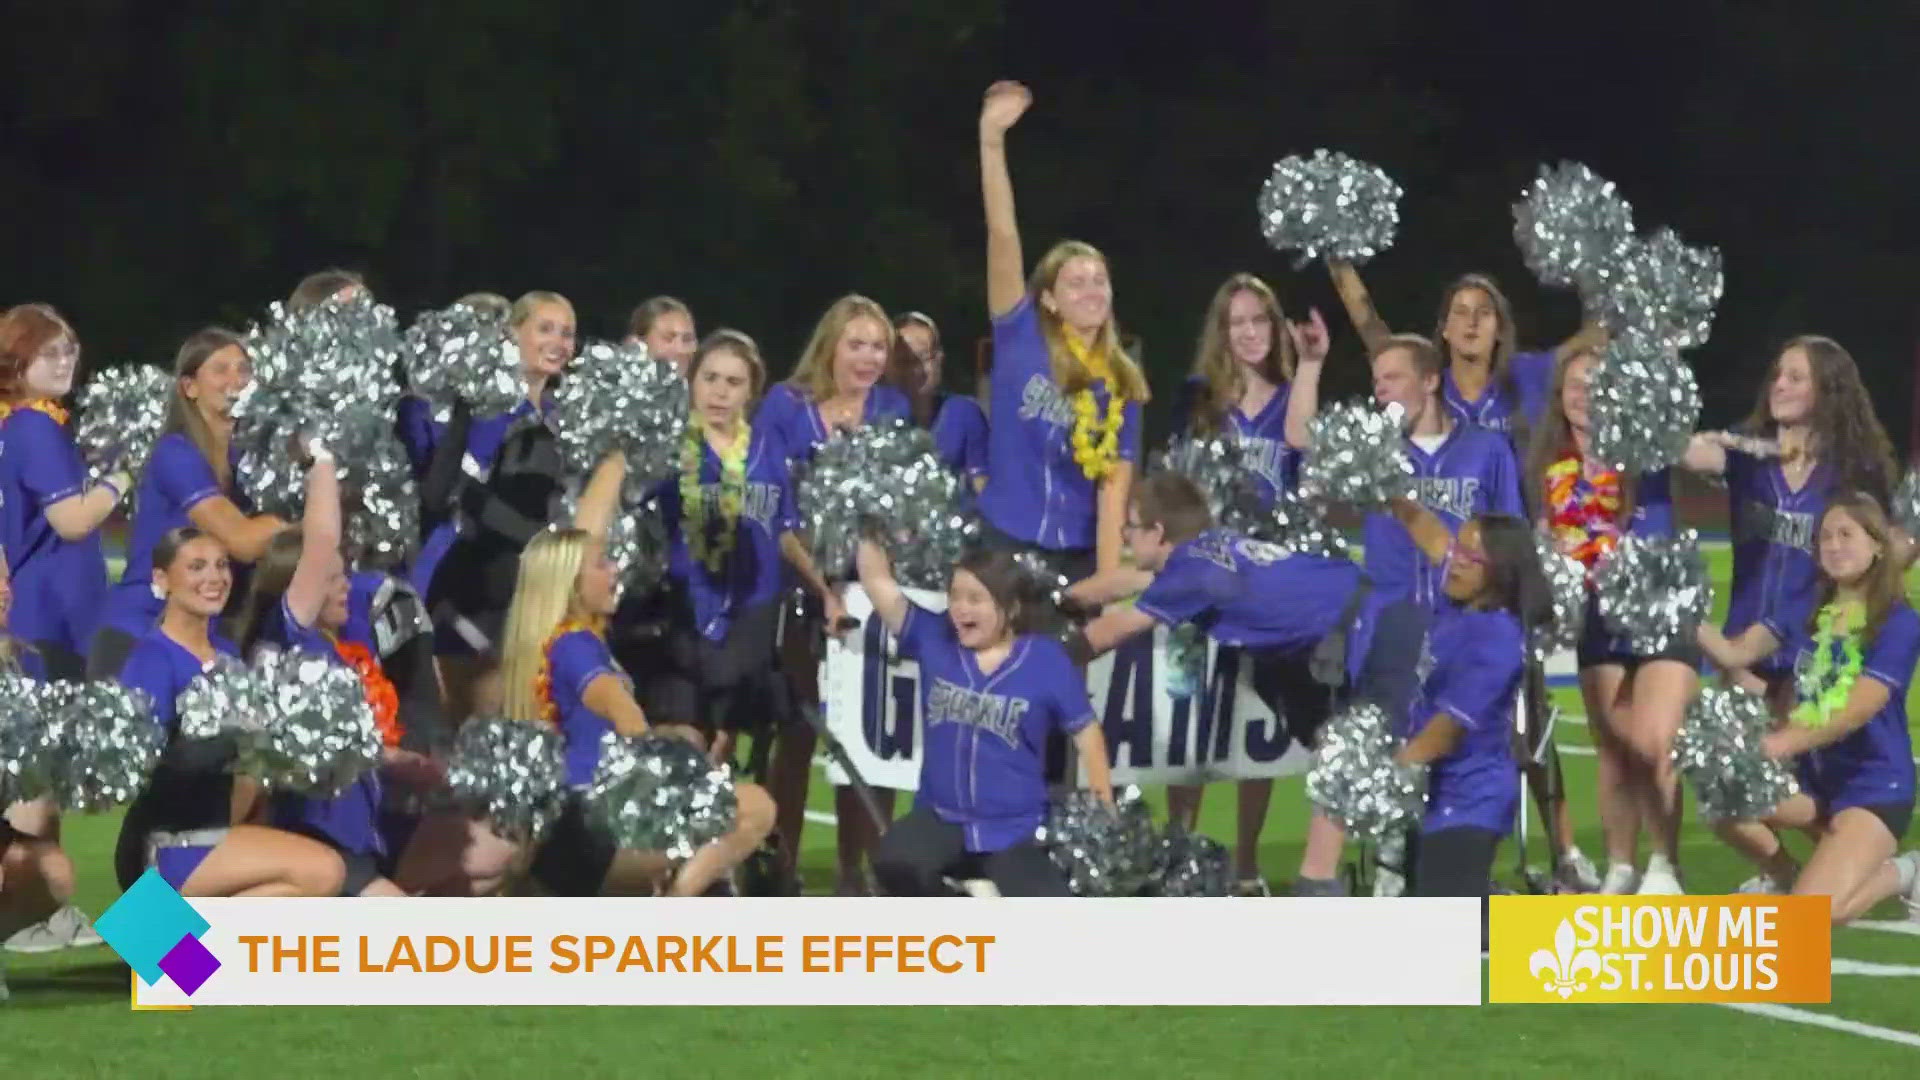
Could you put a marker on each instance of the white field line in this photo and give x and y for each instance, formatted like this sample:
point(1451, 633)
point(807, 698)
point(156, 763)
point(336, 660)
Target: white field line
point(1842, 966)
point(1832, 1023)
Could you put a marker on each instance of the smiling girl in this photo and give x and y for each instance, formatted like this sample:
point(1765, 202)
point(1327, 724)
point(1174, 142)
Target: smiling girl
point(1847, 733)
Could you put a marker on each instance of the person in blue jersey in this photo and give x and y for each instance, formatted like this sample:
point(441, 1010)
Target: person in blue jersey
point(195, 821)
point(50, 516)
point(507, 488)
point(1310, 625)
point(1634, 701)
point(1471, 671)
point(836, 387)
point(188, 481)
point(556, 670)
point(1813, 409)
point(1847, 735)
point(1066, 398)
point(992, 692)
point(1487, 381)
point(665, 326)
point(958, 424)
point(1256, 381)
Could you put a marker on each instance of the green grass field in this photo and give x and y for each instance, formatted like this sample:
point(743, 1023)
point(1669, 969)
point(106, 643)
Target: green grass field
point(69, 1016)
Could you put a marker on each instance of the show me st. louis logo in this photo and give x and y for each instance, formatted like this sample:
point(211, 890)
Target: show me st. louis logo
point(157, 932)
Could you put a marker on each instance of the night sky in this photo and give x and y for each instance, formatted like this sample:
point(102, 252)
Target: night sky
point(172, 165)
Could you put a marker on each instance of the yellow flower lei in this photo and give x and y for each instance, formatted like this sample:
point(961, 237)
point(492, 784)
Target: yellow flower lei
point(1096, 445)
point(712, 551)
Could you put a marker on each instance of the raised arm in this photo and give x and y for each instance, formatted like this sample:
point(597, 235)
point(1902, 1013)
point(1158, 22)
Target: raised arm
point(1429, 533)
point(876, 578)
point(602, 495)
point(1303, 399)
point(1373, 330)
point(1006, 267)
point(319, 540)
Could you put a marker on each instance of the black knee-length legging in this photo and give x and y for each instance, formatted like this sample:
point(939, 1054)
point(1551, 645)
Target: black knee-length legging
point(920, 849)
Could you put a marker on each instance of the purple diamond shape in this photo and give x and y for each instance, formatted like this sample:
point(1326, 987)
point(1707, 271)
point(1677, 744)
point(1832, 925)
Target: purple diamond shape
point(189, 964)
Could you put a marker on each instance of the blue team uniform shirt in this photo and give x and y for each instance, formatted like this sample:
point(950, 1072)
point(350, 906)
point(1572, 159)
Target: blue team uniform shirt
point(1775, 572)
point(177, 800)
point(177, 479)
point(1035, 491)
point(752, 575)
point(59, 585)
point(1246, 592)
point(1495, 409)
point(1472, 472)
point(984, 760)
point(1873, 766)
point(421, 435)
point(793, 422)
point(960, 436)
point(1470, 670)
point(1274, 462)
point(574, 662)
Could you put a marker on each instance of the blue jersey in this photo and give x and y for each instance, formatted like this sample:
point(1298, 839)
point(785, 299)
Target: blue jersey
point(1246, 592)
point(1873, 766)
point(752, 573)
point(177, 479)
point(960, 436)
point(1269, 457)
point(421, 436)
point(573, 663)
point(793, 422)
point(1036, 492)
point(984, 762)
point(1470, 670)
point(58, 585)
point(1496, 409)
point(177, 799)
point(1775, 573)
point(1471, 472)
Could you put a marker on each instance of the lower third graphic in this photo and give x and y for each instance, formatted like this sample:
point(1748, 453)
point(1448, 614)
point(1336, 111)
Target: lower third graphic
point(157, 933)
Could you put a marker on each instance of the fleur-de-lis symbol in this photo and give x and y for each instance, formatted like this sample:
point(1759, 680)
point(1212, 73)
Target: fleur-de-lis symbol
point(1567, 966)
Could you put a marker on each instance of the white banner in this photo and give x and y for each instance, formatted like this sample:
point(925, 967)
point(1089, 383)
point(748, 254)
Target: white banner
point(824, 951)
point(1226, 733)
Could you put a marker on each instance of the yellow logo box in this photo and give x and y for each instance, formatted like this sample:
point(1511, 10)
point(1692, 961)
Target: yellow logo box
point(1605, 949)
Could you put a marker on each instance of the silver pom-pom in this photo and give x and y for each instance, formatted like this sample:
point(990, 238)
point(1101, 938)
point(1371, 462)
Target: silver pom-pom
point(513, 774)
point(658, 793)
point(1329, 206)
point(1103, 852)
point(121, 412)
point(1572, 227)
point(1191, 864)
point(1718, 750)
point(24, 760)
point(617, 397)
point(1567, 591)
point(1643, 405)
point(1906, 504)
point(885, 480)
point(228, 698)
point(1217, 466)
point(1653, 591)
point(1665, 289)
point(382, 525)
point(1359, 456)
point(103, 744)
point(637, 543)
point(1354, 779)
point(322, 736)
point(461, 353)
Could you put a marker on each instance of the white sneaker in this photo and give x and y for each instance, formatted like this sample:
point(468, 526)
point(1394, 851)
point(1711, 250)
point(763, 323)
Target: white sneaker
point(1764, 885)
point(1577, 873)
point(64, 929)
point(1621, 880)
point(1911, 873)
point(1660, 881)
point(79, 929)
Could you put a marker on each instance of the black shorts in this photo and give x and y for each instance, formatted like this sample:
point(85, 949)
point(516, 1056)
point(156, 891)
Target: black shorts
point(1897, 817)
point(363, 868)
point(1599, 645)
point(1284, 682)
point(730, 684)
point(574, 858)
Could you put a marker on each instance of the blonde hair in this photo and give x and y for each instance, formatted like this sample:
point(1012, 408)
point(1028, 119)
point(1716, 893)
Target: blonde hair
point(530, 302)
point(543, 597)
point(1068, 373)
point(1213, 359)
point(813, 376)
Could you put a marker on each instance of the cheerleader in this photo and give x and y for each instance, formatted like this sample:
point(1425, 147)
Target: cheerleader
point(1847, 734)
point(508, 487)
point(1255, 380)
point(1634, 701)
point(194, 820)
point(1308, 624)
point(188, 481)
point(665, 326)
point(1066, 398)
point(1815, 411)
point(36, 876)
point(992, 692)
point(836, 387)
point(556, 670)
point(958, 425)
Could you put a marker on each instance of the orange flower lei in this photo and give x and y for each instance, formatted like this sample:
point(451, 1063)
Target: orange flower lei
point(380, 692)
point(1585, 518)
point(543, 682)
point(45, 405)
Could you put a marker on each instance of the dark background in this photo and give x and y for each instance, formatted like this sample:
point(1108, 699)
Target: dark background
point(166, 165)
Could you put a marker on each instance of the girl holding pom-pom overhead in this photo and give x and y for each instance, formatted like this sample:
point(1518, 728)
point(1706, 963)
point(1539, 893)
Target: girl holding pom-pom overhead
point(194, 822)
point(1853, 661)
point(1636, 699)
point(51, 515)
point(1066, 398)
point(188, 481)
point(992, 692)
point(1813, 434)
point(556, 669)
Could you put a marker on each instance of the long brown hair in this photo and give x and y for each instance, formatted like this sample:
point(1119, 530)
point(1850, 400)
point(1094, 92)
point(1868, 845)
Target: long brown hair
point(1069, 374)
point(1884, 583)
point(272, 576)
point(1846, 430)
point(1505, 338)
point(183, 415)
point(813, 375)
point(1213, 359)
point(1553, 440)
point(25, 329)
